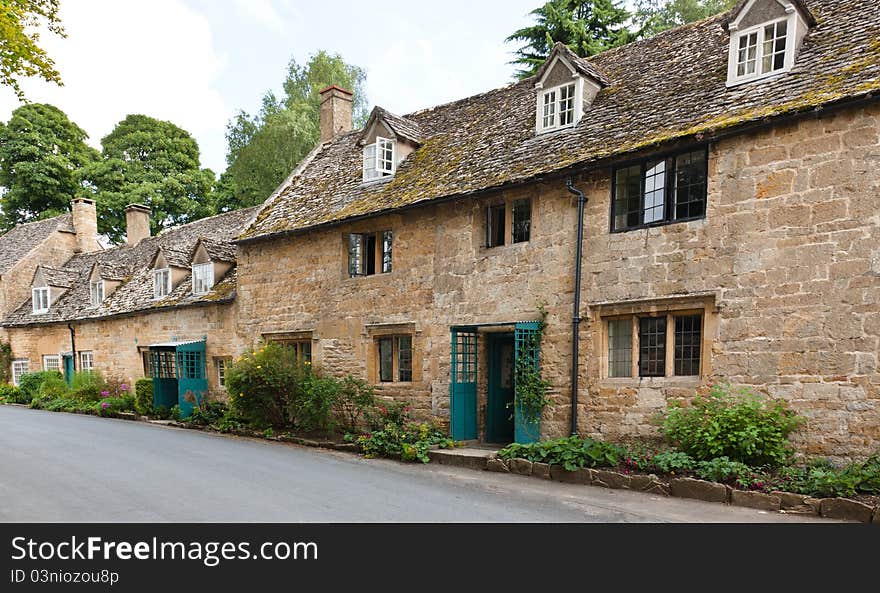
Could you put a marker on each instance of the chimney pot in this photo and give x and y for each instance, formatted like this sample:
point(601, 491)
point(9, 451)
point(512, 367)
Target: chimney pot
point(137, 223)
point(336, 112)
point(85, 224)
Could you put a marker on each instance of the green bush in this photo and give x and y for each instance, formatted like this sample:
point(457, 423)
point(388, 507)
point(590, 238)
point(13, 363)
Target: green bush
point(385, 413)
point(210, 413)
point(265, 384)
point(355, 399)
point(11, 394)
point(409, 442)
point(30, 383)
point(111, 406)
point(143, 396)
point(86, 386)
point(743, 427)
point(312, 408)
point(821, 478)
point(726, 471)
point(670, 462)
point(571, 453)
point(53, 387)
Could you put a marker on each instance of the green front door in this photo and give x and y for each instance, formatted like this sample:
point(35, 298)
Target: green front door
point(192, 378)
point(528, 352)
point(463, 385)
point(163, 370)
point(499, 410)
point(67, 363)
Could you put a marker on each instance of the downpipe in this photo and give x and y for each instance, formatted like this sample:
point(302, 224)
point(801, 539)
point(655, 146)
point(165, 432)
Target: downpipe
point(576, 317)
point(72, 344)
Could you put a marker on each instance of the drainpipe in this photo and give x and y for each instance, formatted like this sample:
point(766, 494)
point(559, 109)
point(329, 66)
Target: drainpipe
point(72, 344)
point(576, 318)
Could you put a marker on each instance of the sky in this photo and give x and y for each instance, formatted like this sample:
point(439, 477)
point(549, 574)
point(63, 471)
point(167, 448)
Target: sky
point(197, 62)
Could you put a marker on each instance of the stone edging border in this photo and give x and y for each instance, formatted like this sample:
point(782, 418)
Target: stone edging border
point(784, 502)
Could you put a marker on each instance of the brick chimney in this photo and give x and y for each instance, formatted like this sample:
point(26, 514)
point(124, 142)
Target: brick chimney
point(137, 223)
point(336, 108)
point(85, 223)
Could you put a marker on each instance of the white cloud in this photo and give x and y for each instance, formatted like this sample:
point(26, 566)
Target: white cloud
point(156, 58)
point(279, 16)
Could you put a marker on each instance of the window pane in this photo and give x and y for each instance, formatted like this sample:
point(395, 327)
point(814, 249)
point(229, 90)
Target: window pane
point(627, 197)
point(404, 358)
point(655, 192)
point(549, 109)
point(688, 338)
point(387, 241)
point(747, 54)
point(620, 348)
point(774, 47)
point(385, 360)
point(370, 171)
point(652, 347)
point(369, 254)
point(690, 185)
point(305, 351)
point(495, 226)
point(522, 220)
point(355, 255)
point(566, 105)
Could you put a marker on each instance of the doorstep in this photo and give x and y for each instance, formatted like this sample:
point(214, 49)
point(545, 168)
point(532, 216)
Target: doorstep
point(470, 457)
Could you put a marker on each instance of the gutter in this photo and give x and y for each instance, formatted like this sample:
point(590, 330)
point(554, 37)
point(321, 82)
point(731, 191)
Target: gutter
point(576, 316)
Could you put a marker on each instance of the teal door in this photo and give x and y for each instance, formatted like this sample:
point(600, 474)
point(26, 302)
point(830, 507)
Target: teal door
point(192, 378)
point(499, 410)
point(527, 429)
point(163, 370)
point(463, 385)
point(67, 364)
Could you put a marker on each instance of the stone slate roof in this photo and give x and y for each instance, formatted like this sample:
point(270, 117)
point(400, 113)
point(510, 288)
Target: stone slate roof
point(135, 266)
point(21, 240)
point(59, 278)
point(670, 87)
point(580, 64)
point(402, 127)
point(217, 250)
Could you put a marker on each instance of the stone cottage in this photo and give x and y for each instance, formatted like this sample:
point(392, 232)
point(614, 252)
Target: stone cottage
point(158, 306)
point(696, 208)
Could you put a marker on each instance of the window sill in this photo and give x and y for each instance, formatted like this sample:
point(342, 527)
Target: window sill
point(674, 381)
point(505, 247)
point(370, 182)
point(654, 225)
point(372, 277)
point(741, 81)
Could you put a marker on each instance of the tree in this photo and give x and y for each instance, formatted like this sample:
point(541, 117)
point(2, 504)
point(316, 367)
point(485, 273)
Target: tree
point(586, 26)
point(42, 154)
point(149, 162)
point(654, 16)
point(20, 54)
point(265, 148)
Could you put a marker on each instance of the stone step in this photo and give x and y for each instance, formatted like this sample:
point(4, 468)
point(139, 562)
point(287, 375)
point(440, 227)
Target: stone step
point(472, 458)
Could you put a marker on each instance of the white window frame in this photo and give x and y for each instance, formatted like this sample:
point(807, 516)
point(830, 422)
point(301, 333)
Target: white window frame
point(161, 283)
point(202, 278)
point(40, 299)
point(375, 166)
point(551, 103)
point(733, 77)
point(20, 366)
point(84, 356)
point(96, 293)
point(51, 357)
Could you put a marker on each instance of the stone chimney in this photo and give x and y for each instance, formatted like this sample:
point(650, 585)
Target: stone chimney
point(85, 223)
point(336, 108)
point(137, 223)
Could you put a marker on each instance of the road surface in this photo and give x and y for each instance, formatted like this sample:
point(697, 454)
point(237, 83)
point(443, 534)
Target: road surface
point(68, 468)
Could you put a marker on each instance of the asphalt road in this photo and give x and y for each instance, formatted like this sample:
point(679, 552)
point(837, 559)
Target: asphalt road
point(66, 468)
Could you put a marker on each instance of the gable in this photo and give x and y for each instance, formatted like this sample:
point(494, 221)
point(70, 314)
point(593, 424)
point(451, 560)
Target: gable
point(201, 255)
point(761, 12)
point(558, 74)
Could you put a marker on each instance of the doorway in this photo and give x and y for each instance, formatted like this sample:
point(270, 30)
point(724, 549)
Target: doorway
point(499, 405)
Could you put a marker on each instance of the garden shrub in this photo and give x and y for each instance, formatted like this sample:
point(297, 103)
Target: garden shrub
point(53, 387)
point(5, 363)
point(354, 400)
point(671, 462)
point(385, 413)
point(87, 386)
point(265, 384)
point(143, 396)
point(726, 471)
point(743, 427)
point(30, 383)
point(210, 413)
point(572, 453)
point(821, 478)
point(408, 442)
point(11, 394)
point(312, 407)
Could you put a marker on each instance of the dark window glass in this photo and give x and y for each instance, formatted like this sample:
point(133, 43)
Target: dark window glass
point(627, 197)
point(355, 255)
point(386, 360)
point(688, 337)
point(369, 255)
point(690, 185)
point(495, 226)
point(660, 191)
point(362, 254)
point(522, 220)
point(404, 358)
point(620, 343)
point(652, 347)
point(387, 241)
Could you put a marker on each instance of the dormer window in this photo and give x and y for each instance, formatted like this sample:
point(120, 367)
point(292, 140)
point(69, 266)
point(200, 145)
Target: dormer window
point(96, 293)
point(558, 106)
point(161, 283)
point(764, 39)
point(40, 300)
point(202, 278)
point(379, 159)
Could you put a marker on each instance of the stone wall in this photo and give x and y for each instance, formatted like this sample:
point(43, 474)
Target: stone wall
point(116, 342)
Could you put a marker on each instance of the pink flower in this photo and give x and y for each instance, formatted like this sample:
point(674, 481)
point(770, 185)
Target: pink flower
point(105, 393)
point(105, 405)
point(123, 387)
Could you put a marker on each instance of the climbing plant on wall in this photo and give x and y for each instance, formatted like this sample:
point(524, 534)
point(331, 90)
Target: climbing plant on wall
point(5, 363)
point(531, 389)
